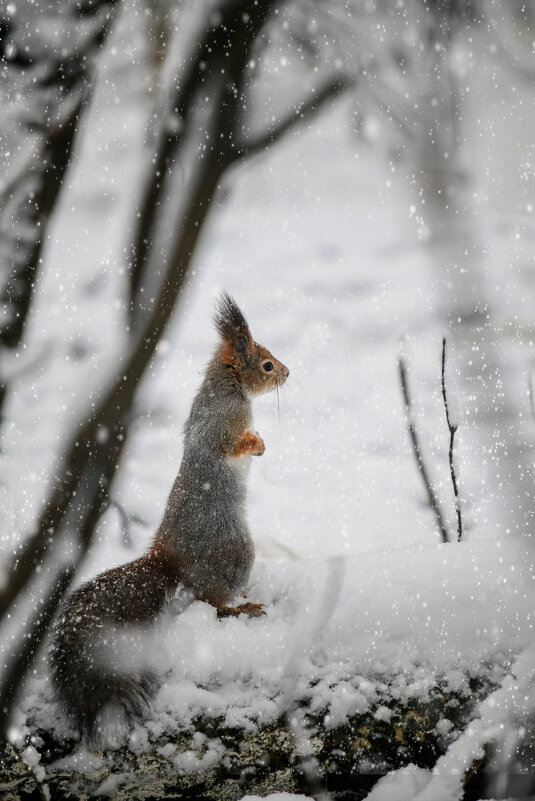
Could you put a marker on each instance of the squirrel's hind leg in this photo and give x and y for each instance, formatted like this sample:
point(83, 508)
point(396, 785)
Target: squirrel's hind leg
point(250, 609)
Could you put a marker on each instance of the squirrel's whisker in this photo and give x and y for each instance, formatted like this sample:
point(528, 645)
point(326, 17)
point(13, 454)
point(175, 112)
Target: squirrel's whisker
point(285, 400)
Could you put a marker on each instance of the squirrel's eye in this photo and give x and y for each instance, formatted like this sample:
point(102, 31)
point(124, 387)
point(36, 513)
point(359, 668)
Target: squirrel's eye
point(268, 366)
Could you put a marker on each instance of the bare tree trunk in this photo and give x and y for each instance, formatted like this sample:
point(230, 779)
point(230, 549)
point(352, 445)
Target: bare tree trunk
point(47, 53)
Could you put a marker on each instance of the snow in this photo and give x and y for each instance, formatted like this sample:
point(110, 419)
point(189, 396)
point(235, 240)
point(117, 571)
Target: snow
point(111, 783)
point(402, 629)
point(402, 785)
point(512, 703)
point(189, 761)
point(346, 636)
point(320, 243)
point(277, 797)
point(81, 760)
point(30, 756)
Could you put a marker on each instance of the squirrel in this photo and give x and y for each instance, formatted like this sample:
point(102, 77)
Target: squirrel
point(203, 545)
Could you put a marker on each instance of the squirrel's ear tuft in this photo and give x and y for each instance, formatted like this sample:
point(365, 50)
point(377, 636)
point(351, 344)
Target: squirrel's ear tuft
point(230, 322)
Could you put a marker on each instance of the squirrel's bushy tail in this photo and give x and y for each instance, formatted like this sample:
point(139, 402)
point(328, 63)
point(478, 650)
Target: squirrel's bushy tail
point(92, 699)
point(102, 656)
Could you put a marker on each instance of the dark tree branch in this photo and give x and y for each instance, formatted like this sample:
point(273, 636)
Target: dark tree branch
point(452, 429)
point(233, 32)
point(80, 495)
point(54, 90)
point(126, 519)
point(79, 491)
point(167, 146)
point(22, 247)
point(304, 110)
point(431, 497)
point(375, 89)
point(224, 51)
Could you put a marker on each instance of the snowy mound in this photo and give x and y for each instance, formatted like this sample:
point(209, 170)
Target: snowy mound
point(343, 634)
point(336, 630)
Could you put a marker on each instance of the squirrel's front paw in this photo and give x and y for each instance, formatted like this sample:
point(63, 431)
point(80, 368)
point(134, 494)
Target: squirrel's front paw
point(259, 446)
point(248, 444)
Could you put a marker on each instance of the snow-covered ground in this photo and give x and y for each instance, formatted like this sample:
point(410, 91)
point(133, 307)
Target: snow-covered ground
point(317, 243)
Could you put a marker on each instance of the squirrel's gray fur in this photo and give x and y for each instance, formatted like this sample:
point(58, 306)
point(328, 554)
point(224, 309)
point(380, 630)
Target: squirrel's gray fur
point(203, 544)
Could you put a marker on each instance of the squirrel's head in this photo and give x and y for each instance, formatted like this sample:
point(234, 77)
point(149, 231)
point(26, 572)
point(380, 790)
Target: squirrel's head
point(249, 363)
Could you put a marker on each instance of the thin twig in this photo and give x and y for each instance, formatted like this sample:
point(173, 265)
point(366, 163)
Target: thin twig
point(452, 429)
point(433, 501)
point(301, 113)
point(126, 519)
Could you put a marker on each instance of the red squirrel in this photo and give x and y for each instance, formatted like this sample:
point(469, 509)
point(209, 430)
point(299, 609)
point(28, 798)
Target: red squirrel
point(203, 545)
